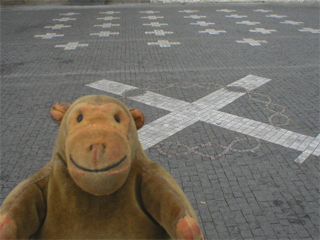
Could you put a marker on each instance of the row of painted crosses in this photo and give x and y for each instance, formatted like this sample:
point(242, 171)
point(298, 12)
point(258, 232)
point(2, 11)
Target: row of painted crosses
point(160, 32)
point(74, 45)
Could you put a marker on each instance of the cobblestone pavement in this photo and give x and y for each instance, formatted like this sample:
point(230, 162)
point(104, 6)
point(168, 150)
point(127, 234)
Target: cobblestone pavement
point(230, 93)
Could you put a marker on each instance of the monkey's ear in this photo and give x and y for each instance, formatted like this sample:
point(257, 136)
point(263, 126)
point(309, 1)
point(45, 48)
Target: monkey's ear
point(138, 117)
point(58, 110)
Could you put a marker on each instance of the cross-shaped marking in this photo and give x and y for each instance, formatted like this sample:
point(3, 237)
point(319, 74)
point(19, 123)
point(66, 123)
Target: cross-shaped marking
point(163, 43)
point(109, 12)
point(108, 18)
point(225, 10)
point(107, 25)
point(248, 23)
point(202, 23)
point(276, 16)
point(58, 26)
point(292, 22)
point(311, 30)
point(49, 35)
point(213, 31)
point(104, 34)
point(159, 32)
point(72, 45)
point(149, 12)
point(69, 14)
point(236, 16)
point(184, 114)
point(65, 19)
point(155, 24)
point(195, 17)
point(189, 11)
point(262, 10)
point(251, 41)
point(152, 17)
point(262, 30)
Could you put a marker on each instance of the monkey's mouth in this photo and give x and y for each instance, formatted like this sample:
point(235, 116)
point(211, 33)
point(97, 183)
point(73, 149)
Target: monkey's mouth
point(98, 170)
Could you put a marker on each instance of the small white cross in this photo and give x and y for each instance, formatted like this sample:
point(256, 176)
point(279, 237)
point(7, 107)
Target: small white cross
point(225, 10)
point(202, 23)
point(104, 34)
point(108, 18)
point(163, 43)
point(155, 24)
point(149, 12)
point(58, 26)
point(311, 30)
point(72, 45)
point(276, 16)
point(69, 14)
point(236, 16)
point(107, 25)
point(195, 17)
point(109, 12)
point(262, 30)
point(159, 32)
point(49, 35)
point(65, 19)
point(189, 11)
point(248, 23)
point(251, 41)
point(213, 31)
point(152, 17)
point(262, 10)
point(292, 22)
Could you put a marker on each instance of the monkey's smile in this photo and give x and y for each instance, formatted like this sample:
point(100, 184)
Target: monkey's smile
point(97, 170)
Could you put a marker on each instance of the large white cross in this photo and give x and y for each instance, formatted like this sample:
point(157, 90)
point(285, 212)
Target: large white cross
point(109, 12)
point(108, 18)
point(262, 30)
point(49, 35)
point(195, 17)
point(225, 10)
point(58, 26)
point(71, 45)
point(213, 31)
point(107, 25)
point(248, 23)
point(152, 17)
point(69, 14)
point(155, 24)
point(189, 11)
point(262, 10)
point(251, 41)
point(104, 34)
point(183, 114)
point(203, 23)
point(149, 12)
point(65, 19)
point(163, 43)
point(292, 22)
point(159, 32)
point(311, 30)
point(276, 16)
point(236, 16)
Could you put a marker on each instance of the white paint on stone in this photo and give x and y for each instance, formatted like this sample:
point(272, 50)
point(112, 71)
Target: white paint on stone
point(262, 30)
point(251, 41)
point(71, 45)
point(49, 35)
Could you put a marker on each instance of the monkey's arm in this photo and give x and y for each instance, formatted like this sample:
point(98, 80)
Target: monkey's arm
point(165, 201)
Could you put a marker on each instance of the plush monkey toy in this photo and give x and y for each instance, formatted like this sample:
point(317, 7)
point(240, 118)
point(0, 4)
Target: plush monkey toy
point(99, 183)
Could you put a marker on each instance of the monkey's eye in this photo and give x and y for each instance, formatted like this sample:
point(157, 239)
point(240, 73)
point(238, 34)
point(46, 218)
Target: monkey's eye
point(80, 117)
point(116, 117)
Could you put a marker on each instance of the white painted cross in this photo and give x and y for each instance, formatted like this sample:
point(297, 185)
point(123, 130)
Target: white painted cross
point(262, 10)
point(159, 32)
point(58, 26)
point(152, 17)
point(195, 17)
point(225, 10)
point(202, 23)
point(311, 30)
point(292, 22)
point(155, 24)
point(262, 30)
point(71, 45)
point(184, 114)
point(276, 16)
point(149, 12)
point(69, 14)
point(49, 35)
point(163, 43)
point(65, 19)
point(251, 41)
point(236, 16)
point(104, 34)
point(107, 25)
point(248, 23)
point(213, 31)
point(189, 11)
point(109, 12)
point(108, 18)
